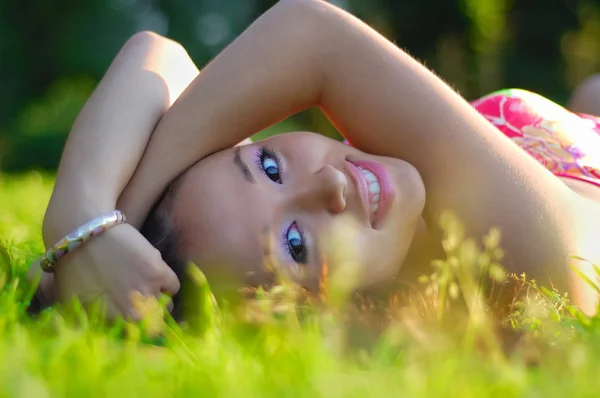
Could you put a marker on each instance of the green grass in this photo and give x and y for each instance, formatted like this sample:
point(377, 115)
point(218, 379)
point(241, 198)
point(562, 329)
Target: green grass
point(279, 343)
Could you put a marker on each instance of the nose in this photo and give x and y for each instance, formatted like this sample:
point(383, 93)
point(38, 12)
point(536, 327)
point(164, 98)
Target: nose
point(324, 189)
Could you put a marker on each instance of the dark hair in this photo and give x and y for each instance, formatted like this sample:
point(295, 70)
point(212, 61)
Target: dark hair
point(160, 231)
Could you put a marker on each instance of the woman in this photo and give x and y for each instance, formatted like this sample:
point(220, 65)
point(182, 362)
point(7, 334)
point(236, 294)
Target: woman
point(418, 149)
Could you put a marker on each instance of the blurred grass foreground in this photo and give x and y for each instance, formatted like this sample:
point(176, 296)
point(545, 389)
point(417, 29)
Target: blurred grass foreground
point(277, 342)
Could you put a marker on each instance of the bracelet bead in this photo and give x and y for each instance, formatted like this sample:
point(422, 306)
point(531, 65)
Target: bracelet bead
point(78, 237)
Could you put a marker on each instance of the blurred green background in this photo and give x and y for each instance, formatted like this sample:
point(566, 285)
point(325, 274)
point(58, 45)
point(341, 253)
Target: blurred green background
point(53, 53)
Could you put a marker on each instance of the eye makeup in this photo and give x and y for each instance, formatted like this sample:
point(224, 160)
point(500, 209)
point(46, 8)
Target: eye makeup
point(294, 243)
point(269, 162)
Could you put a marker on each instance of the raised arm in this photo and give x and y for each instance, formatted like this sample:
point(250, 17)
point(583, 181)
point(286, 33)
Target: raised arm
point(304, 53)
point(102, 152)
point(111, 132)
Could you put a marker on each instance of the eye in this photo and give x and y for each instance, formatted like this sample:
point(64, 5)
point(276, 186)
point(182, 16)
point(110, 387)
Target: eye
point(293, 240)
point(271, 169)
point(269, 162)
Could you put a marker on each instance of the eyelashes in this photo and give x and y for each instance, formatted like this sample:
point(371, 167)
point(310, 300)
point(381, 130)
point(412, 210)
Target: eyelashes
point(292, 238)
point(270, 164)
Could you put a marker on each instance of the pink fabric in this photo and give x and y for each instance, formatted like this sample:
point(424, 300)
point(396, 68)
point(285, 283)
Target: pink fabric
point(565, 143)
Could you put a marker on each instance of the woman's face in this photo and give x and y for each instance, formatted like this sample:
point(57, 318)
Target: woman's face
point(298, 192)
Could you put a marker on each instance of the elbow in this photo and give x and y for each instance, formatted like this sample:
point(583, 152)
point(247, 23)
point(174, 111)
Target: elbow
point(298, 3)
point(315, 20)
point(145, 37)
point(302, 10)
point(312, 23)
point(318, 28)
point(306, 21)
point(145, 40)
point(148, 41)
point(165, 57)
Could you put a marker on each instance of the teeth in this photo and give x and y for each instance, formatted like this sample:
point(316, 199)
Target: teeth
point(374, 188)
point(368, 175)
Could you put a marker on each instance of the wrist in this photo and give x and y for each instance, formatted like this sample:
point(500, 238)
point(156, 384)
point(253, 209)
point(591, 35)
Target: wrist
point(66, 212)
point(79, 237)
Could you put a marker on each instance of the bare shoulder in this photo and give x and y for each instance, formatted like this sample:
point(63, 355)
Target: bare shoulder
point(585, 231)
point(576, 249)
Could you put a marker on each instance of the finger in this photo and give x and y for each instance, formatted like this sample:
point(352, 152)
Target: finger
point(122, 310)
point(164, 300)
point(103, 305)
point(141, 303)
point(146, 302)
point(170, 284)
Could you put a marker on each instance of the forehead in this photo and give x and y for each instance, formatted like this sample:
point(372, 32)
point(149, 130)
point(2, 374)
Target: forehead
point(222, 217)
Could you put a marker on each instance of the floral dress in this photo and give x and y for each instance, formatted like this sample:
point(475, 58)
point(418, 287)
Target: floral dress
point(566, 143)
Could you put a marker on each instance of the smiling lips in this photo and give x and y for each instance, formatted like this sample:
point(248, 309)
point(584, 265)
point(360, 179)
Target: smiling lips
point(375, 189)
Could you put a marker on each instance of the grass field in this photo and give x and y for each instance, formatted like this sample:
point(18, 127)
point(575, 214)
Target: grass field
point(278, 344)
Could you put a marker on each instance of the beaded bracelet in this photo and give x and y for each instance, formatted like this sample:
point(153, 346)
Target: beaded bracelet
point(78, 237)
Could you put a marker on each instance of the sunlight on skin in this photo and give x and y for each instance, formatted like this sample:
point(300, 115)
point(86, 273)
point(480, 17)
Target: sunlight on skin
point(316, 192)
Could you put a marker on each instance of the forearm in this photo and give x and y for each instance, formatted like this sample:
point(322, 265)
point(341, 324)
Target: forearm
point(259, 79)
point(112, 131)
point(110, 135)
point(303, 53)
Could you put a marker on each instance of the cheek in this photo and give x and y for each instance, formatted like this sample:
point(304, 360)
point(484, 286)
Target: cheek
point(416, 187)
point(387, 248)
point(377, 256)
point(386, 251)
point(411, 203)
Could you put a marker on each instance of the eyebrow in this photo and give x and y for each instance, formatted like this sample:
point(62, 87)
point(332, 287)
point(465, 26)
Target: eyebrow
point(237, 159)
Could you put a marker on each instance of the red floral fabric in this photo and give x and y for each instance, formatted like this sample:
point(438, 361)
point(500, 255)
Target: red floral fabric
point(566, 143)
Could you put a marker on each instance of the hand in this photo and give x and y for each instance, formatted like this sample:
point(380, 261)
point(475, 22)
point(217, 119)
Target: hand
point(111, 267)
